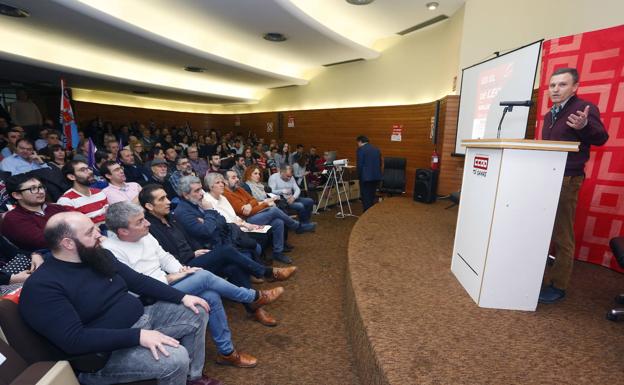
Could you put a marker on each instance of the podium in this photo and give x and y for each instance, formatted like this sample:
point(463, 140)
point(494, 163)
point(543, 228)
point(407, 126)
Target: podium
point(509, 197)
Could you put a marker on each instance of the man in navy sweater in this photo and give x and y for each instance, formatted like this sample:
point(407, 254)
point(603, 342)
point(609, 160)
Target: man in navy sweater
point(570, 119)
point(80, 301)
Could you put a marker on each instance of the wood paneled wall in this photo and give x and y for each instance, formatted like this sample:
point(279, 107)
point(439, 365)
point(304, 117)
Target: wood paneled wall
point(331, 129)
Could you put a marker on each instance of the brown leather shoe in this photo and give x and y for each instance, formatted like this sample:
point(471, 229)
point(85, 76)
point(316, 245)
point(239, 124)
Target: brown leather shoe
point(283, 273)
point(264, 318)
point(266, 297)
point(238, 359)
point(256, 280)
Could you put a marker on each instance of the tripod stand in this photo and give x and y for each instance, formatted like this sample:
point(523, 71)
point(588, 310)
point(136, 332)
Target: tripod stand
point(335, 180)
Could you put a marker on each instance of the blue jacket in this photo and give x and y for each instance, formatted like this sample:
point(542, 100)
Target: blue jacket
point(206, 226)
point(369, 163)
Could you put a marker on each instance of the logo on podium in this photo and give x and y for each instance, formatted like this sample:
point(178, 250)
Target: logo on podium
point(480, 165)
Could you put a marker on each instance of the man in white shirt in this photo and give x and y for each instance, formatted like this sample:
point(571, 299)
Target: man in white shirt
point(132, 244)
point(284, 184)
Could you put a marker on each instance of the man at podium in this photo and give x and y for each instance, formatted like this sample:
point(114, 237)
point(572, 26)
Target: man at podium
point(570, 119)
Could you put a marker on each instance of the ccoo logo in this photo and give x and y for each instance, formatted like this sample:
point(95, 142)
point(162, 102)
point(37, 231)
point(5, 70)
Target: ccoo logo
point(481, 162)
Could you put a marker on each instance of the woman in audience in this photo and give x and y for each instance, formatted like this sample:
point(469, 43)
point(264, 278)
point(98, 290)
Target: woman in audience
point(300, 171)
point(249, 159)
point(282, 158)
point(136, 146)
point(59, 157)
point(253, 184)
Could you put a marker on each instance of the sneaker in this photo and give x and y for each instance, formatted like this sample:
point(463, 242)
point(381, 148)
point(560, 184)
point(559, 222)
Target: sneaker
point(550, 294)
point(280, 257)
point(306, 228)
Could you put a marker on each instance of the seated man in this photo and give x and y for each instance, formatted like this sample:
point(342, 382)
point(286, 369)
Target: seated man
point(183, 168)
point(264, 213)
point(87, 200)
point(23, 160)
point(215, 164)
point(284, 184)
point(25, 223)
point(118, 190)
point(131, 243)
point(79, 300)
point(199, 165)
point(133, 173)
point(158, 172)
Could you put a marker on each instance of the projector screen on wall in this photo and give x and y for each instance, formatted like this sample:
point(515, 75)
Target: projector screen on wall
point(508, 77)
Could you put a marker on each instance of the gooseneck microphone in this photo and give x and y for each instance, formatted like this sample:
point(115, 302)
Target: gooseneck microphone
point(520, 103)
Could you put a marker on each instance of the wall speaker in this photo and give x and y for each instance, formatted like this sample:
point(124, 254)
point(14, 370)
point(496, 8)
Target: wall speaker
point(426, 185)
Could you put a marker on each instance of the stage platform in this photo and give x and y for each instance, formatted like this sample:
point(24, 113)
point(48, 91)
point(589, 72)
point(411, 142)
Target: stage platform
point(410, 322)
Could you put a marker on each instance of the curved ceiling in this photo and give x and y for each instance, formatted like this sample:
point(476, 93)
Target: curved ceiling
point(128, 45)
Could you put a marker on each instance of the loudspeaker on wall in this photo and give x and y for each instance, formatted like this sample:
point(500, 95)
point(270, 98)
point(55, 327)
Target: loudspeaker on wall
point(426, 185)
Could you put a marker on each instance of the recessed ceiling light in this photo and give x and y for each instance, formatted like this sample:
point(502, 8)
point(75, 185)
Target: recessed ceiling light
point(359, 2)
point(432, 6)
point(274, 36)
point(194, 69)
point(8, 10)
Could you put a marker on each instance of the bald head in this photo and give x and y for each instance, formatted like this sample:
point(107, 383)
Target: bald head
point(68, 226)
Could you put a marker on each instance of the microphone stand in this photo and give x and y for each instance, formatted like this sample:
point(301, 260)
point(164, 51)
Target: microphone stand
point(507, 109)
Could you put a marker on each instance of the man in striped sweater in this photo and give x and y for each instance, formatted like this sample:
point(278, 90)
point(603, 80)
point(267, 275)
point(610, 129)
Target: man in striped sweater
point(87, 200)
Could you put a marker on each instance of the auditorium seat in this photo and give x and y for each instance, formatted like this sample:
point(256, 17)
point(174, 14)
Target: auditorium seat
point(33, 348)
point(393, 182)
point(617, 246)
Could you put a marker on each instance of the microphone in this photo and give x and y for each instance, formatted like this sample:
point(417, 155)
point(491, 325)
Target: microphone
point(521, 103)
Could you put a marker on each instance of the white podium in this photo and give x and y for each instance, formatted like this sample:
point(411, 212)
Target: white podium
point(509, 197)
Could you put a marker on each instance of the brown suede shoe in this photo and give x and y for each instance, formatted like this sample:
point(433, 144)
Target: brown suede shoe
point(264, 318)
point(283, 273)
point(238, 359)
point(266, 297)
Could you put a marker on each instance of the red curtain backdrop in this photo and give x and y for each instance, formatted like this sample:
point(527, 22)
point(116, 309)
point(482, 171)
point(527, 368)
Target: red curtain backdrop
point(599, 58)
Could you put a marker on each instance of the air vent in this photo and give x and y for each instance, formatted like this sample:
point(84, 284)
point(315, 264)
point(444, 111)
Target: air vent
point(140, 92)
point(288, 86)
point(423, 25)
point(275, 37)
point(194, 69)
point(342, 62)
point(8, 10)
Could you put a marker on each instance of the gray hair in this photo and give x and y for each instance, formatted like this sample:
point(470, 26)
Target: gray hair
point(211, 178)
point(118, 214)
point(184, 186)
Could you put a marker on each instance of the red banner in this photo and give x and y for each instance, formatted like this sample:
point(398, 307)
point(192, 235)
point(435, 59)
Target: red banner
point(599, 58)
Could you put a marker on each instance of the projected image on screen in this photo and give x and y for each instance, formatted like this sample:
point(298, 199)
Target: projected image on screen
point(508, 77)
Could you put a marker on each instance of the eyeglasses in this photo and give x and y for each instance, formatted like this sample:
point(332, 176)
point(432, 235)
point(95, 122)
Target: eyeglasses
point(34, 189)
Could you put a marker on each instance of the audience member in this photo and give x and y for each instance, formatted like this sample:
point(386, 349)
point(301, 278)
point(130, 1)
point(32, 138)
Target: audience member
point(132, 244)
point(239, 166)
point(215, 164)
point(24, 159)
point(199, 165)
point(24, 112)
point(80, 301)
point(133, 173)
point(282, 158)
point(83, 198)
point(183, 168)
point(53, 139)
point(282, 183)
point(25, 223)
point(14, 134)
point(118, 190)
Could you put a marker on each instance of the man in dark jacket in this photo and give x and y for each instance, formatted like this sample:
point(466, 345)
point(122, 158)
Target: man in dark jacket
point(368, 169)
point(570, 119)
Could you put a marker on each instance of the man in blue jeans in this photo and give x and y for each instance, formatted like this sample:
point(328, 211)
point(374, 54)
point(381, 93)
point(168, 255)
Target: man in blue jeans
point(79, 300)
point(282, 183)
point(131, 243)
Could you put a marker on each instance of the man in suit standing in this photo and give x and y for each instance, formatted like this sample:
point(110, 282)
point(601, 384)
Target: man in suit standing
point(369, 170)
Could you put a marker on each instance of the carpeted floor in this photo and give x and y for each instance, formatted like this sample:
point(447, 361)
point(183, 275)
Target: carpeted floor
point(309, 346)
point(414, 324)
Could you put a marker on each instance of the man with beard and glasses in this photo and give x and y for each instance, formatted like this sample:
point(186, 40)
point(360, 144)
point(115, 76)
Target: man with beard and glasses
point(263, 213)
point(183, 168)
point(132, 244)
point(80, 301)
point(83, 198)
point(25, 223)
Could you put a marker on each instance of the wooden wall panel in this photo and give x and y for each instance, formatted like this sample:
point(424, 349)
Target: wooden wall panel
point(451, 167)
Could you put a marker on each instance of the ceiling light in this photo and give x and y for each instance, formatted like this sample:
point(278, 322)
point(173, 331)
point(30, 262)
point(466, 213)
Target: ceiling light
point(11, 11)
point(432, 6)
point(274, 36)
point(359, 2)
point(194, 69)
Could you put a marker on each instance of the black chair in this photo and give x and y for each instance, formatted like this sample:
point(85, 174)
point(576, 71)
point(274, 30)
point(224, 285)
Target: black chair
point(454, 198)
point(617, 246)
point(393, 182)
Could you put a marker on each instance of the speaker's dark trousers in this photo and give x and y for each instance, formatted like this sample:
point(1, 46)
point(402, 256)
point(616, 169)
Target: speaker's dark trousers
point(367, 192)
